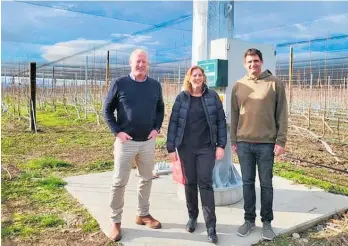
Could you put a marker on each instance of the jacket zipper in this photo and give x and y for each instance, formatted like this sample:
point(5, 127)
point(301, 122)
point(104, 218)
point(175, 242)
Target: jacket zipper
point(208, 119)
point(189, 104)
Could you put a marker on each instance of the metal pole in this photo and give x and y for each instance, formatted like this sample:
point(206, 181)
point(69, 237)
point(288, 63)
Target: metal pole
point(310, 101)
point(290, 78)
point(5, 87)
point(32, 106)
point(179, 79)
point(346, 91)
point(86, 78)
point(107, 70)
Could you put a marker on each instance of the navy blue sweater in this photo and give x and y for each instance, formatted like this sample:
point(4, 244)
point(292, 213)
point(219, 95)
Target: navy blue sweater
point(139, 107)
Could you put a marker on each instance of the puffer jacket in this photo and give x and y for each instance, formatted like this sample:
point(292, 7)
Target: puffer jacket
point(214, 112)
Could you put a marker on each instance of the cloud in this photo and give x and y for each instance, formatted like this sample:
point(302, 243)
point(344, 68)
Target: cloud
point(119, 52)
point(338, 18)
point(299, 31)
point(120, 35)
point(64, 5)
point(39, 16)
point(306, 56)
point(153, 43)
point(334, 24)
point(64, 49)
point(269, 18)
point(301, 27)
point(134, 38)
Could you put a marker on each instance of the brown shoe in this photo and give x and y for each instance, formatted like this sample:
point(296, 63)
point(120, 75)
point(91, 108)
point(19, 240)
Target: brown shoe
point(115, 234)
point(149, 221)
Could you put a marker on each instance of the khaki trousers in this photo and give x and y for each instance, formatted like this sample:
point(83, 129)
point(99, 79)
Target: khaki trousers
point(124, 154)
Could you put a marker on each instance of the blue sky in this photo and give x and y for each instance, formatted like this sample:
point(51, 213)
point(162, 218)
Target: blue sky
point(46, 31)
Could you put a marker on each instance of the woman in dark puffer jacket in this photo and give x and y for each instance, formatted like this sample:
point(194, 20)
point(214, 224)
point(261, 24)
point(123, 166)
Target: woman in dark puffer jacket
point(197, 130)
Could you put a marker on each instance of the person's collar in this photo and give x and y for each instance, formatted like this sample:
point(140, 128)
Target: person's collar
point(262, 75)
point(133, 78)
point(253, 77)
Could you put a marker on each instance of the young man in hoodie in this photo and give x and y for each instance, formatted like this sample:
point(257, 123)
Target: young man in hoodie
point(259, 120)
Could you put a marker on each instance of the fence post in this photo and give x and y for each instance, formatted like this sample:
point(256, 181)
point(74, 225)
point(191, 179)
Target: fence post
point(323, 119)
point(338, 129)
point(32, 106)
point(290, 78)
point(86, 79)
point(107, 79)
point(346, 91)
point(310, 101)
point(179, 78)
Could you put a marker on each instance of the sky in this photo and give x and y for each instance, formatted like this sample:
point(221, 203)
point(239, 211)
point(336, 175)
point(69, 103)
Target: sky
point(47, 31)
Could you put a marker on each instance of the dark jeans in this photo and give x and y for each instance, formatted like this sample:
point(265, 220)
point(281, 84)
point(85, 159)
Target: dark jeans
point(198, 167)
point(250, 154)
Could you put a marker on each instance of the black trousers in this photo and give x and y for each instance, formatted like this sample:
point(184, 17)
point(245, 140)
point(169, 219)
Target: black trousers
point(198, 164)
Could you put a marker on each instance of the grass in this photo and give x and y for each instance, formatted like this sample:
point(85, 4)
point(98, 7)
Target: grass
point(29, 224)
point(42, 194)
point(34, 201)
point(289, 171)
point(60, 118)
point(52, 182)
point(32, 189)
point(100, 166)
point(325, 237)
point(160, 142)
point(47, 162)
point(90, 226)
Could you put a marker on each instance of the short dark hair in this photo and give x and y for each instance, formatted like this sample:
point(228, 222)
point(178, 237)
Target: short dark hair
point(253, 52)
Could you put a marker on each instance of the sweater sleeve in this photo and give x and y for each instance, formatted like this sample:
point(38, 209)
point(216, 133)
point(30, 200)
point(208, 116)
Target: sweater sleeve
point(109, 107)
point(173, 125)
point(281, 115)
point(159, 111)
point(221, 123)
point(234, 115)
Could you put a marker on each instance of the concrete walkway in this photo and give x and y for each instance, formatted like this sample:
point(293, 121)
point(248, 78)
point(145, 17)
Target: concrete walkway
point(293, 204)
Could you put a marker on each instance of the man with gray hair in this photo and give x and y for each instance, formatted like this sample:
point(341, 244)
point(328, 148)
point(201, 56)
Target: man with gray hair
point(138, 101)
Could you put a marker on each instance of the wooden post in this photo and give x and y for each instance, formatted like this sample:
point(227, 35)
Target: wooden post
point(32, 106)
point(338, 129)
point(323, 119)
point(345, 81)
point(328, 95)
point(290, 78)
point(53, 96)
point(179, 79)
point(107, 74)
point(52, 80)
point(86, 79)
point(310, 101)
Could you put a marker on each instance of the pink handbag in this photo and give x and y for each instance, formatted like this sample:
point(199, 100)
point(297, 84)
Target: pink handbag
point(178, 175)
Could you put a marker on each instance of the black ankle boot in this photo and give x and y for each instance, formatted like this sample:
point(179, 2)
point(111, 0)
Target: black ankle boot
point(212, 237)
point(191, 225)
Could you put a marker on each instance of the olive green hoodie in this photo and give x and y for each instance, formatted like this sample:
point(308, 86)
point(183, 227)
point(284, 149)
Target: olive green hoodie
point(259, 110)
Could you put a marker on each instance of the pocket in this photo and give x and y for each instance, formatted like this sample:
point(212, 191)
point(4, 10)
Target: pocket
point(242, 148)
point(117, 139)
point(267, 151)
point(119, 142)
